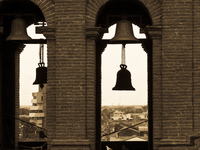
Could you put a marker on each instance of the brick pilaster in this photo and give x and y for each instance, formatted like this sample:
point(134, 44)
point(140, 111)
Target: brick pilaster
point(154, 51)
point(93, 91)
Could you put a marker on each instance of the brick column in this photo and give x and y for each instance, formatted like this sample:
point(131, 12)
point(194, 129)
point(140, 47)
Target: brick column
point(49, 33)
point(17, 88)
point(177, 74)
point(66, 115)
point(1, 117)
point(52, 104)
point(153, 48)
point(10, 92)
point(70, 131)
point(195, 134)
point(196, 64)
point(93, 87)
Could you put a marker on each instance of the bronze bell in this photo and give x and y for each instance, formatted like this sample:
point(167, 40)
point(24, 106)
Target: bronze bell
point(124, 33)
point(18, 30)
point(123, 79)
point(41, 76)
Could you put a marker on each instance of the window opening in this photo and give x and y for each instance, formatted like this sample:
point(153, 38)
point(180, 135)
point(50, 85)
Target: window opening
point(124, 114)
point(32, 116)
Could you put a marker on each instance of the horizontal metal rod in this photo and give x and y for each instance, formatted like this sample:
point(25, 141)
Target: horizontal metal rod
point(33, 41)
point(136, 42)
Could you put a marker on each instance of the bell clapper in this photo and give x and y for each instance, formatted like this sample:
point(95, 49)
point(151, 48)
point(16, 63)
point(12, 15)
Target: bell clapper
point(41, 86)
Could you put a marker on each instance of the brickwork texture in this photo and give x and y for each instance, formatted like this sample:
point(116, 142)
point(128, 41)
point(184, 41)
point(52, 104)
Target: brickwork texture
point(72, 34)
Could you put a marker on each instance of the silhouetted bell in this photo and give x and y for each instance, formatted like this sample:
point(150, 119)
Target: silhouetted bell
point(124, 33)
point(41, 76)
point(123, 79)
point(18, 30)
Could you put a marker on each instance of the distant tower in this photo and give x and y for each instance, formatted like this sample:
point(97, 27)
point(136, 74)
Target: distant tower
point(37, 113)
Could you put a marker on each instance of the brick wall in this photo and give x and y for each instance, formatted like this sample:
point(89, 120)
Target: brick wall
point(175, 72)
point(72, 70)
point(196, 63)
point(177, 69)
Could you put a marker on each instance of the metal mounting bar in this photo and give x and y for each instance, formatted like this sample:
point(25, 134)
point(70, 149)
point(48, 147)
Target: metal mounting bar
point(33, 41)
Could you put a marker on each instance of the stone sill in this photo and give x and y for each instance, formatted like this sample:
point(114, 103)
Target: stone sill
point(73, 142)
point(173, 142)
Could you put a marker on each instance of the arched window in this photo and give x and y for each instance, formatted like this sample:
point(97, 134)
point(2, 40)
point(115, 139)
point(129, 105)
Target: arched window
point(10, 58)
point(32, 97)
point(124, 114)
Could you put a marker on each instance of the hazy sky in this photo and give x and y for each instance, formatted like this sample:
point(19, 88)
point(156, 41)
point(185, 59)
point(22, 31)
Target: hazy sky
point(29, 60)
point(136, 60)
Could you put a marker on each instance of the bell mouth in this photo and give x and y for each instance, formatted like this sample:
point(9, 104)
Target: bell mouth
point(127, 41)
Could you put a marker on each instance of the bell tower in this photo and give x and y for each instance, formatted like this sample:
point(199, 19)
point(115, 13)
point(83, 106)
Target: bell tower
point(74, 41)
point(124, 26)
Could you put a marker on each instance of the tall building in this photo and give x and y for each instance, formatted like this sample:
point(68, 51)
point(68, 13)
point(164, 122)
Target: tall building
point(37, 113)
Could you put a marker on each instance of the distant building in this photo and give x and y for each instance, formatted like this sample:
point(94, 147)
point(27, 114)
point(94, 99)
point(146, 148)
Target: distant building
point(119, 115)
point(139, 109)
point(140, 112)
point(144, 115)
point(37, 113)
point(143, 130)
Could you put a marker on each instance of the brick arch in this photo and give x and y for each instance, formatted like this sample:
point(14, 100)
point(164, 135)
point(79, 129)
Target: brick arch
point(47, 7)
point(153, 7)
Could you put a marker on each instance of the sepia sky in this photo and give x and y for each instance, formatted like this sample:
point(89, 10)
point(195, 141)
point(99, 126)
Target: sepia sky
point(29, 60)
point(136, 60)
